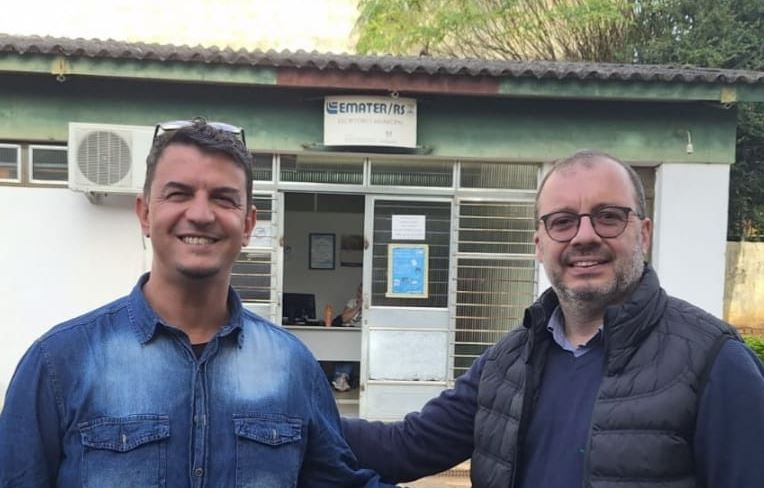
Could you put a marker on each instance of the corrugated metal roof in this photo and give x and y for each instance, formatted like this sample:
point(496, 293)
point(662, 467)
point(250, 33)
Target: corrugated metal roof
point(301, 60)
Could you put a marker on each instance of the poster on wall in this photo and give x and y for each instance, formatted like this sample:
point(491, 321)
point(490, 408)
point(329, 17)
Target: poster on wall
point(407, 266)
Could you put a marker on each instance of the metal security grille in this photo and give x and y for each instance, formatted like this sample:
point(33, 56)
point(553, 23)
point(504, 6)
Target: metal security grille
point(252, 270)
point(498, 175)
point(412, 173)
point(262, 167)
point(321, 169)
point(495, 274)
point(437, 236)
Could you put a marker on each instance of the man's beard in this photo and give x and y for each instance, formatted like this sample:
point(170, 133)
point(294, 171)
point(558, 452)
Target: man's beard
point(198, 273)
point(627, 276)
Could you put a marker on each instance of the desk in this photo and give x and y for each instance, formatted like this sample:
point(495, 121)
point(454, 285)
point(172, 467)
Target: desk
point(330, 343)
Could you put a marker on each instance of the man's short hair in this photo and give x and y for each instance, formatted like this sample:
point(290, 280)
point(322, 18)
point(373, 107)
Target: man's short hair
point(208, 140)
point(589, 158)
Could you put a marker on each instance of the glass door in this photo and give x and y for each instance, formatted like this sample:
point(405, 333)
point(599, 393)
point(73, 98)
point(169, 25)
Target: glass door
point(406, 284)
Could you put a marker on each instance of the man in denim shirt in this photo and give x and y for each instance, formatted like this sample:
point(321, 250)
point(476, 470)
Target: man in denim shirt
point(176, 384)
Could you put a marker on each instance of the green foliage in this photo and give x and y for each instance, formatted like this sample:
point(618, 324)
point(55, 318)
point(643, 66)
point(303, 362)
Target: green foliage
point(718, 34)
point(756, 344)
point(746, 206)
point(712, 33)
point(498, 29)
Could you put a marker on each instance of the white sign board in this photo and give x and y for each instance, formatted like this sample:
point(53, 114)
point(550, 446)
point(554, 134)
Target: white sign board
point(370, 121)
point(408, 227)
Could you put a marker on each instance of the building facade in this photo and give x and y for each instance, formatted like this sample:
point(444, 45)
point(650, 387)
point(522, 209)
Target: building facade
point(414, 177)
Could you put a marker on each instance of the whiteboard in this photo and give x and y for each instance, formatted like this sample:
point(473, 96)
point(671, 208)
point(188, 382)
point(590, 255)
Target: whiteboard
point(407, 355)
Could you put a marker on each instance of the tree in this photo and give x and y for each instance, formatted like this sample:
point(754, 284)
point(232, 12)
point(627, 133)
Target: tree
point(711, 33)
point(717, 34)
point(494, 29)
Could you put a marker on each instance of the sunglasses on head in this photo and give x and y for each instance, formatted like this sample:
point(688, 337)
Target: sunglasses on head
point(179, 124)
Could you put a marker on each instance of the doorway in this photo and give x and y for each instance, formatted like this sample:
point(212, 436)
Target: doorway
point(322, 270)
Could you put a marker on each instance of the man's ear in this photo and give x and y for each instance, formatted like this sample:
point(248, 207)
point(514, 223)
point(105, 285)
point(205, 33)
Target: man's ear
point(142, 212)
point(647, 234)
point(249, 225)
point(539, 250)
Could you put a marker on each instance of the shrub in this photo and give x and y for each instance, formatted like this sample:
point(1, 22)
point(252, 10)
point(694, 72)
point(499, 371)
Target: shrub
point(757, 344)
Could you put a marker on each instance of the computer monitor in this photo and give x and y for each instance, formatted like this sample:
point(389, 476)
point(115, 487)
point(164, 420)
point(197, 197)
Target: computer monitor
point(298, 308)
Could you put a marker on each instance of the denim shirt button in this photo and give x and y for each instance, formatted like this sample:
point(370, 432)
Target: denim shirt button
point(198, 472)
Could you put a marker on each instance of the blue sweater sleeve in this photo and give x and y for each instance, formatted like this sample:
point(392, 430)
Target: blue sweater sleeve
point(437, 438)
point(729, 437)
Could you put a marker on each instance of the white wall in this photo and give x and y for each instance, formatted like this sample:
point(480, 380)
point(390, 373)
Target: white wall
point(60, 257)
point(691, 232)
point(335, 286)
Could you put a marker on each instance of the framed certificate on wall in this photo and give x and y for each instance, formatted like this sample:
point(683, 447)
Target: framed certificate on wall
point(321, 251)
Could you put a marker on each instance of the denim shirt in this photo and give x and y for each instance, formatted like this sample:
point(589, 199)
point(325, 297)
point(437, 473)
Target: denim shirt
point(116, 398)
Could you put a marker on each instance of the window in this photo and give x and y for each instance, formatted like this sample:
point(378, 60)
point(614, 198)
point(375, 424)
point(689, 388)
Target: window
point(499, 175)
point(321, 169)
point(437, 237)
point(496, 274)
point(496, 227)
point(10, 162)
point(251, 275)
point(412, 173)
point(48, 164)
point(262, 169)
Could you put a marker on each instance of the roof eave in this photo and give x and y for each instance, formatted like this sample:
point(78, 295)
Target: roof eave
point(416, 83)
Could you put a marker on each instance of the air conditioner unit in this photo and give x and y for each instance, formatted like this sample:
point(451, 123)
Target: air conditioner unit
point(105, 158)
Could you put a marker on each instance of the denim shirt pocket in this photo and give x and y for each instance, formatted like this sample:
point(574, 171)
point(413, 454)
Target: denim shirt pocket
point(269, 450)
point(125, 451)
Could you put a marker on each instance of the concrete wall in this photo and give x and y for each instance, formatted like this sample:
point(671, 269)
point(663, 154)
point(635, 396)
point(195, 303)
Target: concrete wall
point(744, 290)
point(689, 242)
point(61, 256)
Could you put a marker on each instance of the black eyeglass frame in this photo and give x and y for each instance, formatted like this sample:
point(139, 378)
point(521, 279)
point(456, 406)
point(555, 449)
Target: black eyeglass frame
point(173, 125)
point(593, 219)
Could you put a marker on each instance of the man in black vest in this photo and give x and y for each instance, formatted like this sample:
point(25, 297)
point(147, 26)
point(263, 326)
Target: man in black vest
point(609, 383)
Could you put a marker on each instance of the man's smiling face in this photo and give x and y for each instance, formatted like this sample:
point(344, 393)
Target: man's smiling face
point(196, 214)
point(589, 269)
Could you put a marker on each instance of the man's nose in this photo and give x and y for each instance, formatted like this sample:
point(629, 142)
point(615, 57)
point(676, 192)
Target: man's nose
point(586, 232)
point(200, 210)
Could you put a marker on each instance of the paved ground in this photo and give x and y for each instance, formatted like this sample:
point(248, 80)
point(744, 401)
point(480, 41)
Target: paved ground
point(440, 482)
point(459, 477)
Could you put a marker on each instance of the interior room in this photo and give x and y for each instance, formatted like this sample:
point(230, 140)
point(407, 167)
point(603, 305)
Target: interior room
point(323, 266)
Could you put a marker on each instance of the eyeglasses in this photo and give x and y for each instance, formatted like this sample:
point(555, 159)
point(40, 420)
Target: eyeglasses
point(608, 222)
point(179, 124)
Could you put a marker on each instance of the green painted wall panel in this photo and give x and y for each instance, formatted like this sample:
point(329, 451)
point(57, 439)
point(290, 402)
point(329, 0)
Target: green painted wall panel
point(615, 89)
point(546, 130)
point(38, 108)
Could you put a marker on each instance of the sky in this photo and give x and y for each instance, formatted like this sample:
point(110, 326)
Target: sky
point(322, 25)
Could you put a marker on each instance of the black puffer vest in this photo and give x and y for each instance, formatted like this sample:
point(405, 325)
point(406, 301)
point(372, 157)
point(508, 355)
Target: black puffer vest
point(658, 351)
